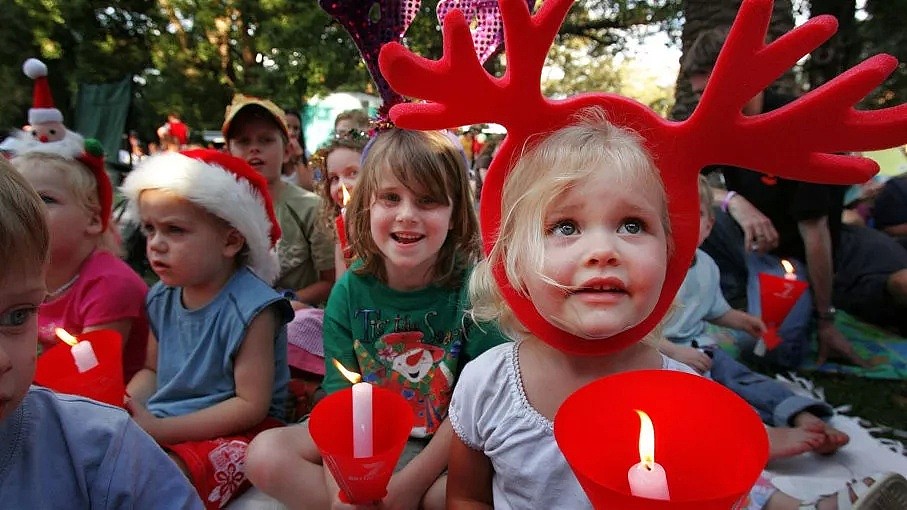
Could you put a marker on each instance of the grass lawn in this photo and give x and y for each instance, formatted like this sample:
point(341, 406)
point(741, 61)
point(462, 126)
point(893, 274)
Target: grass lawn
point(879, 401)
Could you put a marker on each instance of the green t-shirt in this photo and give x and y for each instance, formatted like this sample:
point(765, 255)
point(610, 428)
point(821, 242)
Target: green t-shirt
point(305, 249)
point(414, 343)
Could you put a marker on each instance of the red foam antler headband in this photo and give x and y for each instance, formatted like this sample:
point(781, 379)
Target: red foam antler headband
point(784, 142)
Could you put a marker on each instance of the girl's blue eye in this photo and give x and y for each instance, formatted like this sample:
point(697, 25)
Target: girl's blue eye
point(17, 317)
point(564, 228)
point(632, 227)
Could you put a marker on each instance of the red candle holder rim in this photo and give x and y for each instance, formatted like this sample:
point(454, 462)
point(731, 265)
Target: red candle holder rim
point(681, 384)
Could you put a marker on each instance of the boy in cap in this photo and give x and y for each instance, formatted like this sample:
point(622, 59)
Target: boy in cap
point(256, 131)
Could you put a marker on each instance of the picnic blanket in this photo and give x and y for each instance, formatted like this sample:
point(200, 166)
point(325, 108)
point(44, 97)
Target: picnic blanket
point(809, 475)
point(871, 342)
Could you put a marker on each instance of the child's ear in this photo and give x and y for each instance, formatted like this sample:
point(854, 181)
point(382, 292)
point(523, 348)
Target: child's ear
point(234, 243)
point(708, 229)
point(95, 226)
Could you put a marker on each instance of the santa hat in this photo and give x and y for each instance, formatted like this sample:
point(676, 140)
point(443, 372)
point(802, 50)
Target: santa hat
point(223, 185)
point(42, 109)
point(93, 158)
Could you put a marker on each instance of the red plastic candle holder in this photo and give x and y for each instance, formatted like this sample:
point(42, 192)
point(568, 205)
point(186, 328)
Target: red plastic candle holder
point(711, 443)
point(340, 225)
point(778, 295)
point(56, 369)
point(362, 480)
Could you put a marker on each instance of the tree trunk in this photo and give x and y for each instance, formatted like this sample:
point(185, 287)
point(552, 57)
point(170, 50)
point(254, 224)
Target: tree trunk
point(840, 52)
point(701, 15)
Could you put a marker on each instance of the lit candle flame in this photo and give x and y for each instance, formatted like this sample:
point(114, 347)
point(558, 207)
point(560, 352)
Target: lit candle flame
point(346, 194)
point(646, 440)
point(353, 377)
point(66, 337)
point(788, 267)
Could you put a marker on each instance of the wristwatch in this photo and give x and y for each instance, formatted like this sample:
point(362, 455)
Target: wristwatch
point(827, 315)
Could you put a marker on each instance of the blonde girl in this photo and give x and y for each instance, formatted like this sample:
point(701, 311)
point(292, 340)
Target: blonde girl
point(89, 286)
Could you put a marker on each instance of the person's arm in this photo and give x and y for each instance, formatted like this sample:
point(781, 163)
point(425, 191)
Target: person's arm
point(694, 358)
point(123, 327)
point(144, 382)
point(738, 319)
point(319, 291)
point(254, 375)
point(817, 241)
point(758, 232)
point(896, 230)
point(408, 486)
point(469, 478)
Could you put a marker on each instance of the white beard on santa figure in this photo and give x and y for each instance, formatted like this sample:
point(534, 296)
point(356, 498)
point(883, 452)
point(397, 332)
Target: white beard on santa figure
point(70, 145)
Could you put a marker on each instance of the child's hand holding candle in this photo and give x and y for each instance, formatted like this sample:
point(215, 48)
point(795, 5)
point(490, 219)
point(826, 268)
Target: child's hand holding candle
point(82, 351)
point(647, 478)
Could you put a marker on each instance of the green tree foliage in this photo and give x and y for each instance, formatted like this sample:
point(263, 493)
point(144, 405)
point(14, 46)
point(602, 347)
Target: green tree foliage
point(191, 55)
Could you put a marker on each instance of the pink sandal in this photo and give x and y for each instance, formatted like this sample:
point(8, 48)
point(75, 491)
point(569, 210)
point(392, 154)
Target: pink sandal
point(880, 491)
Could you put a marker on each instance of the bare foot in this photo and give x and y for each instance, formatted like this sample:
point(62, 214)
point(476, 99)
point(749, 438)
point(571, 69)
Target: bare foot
point(790, 441)
point(833, 439)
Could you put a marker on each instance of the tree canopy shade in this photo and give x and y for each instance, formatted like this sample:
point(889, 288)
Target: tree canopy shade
point(191, 55)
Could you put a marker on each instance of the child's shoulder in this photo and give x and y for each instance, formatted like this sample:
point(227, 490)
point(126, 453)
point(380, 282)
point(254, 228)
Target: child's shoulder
point(493, 362)
point(75, 415)
point(296, 197)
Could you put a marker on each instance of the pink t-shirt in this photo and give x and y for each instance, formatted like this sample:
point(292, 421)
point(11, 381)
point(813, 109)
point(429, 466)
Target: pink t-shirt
point(107, 290)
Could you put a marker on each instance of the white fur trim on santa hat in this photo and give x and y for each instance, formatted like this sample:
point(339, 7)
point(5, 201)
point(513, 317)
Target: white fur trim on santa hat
point(42, 115)
point(216, 190)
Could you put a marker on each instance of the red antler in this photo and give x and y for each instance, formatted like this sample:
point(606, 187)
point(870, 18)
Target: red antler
point(461, 90)
point(793, 141)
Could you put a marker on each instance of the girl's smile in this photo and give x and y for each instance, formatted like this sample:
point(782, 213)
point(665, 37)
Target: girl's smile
point(409, 228)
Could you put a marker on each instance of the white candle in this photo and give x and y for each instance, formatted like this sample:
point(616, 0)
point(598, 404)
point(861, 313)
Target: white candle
point(82, 351)
point(362, 413)
point(789, 273)
point(84, 356)
point(647, 478)
point(362, 420)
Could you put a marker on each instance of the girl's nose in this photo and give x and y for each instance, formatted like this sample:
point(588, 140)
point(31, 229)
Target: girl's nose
point(5, 363)
point(405, 210)
point(601, 249)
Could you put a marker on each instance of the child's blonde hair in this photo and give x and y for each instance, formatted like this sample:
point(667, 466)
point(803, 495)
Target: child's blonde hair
point(425, 162)
point(706, 196)
point(562, 161)
point(24, 238)
point(79, 181)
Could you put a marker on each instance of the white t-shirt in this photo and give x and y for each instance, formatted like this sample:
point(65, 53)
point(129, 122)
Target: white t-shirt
point(490, 413)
